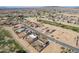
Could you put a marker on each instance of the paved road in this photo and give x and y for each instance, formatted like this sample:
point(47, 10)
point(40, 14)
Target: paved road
point(54, 40)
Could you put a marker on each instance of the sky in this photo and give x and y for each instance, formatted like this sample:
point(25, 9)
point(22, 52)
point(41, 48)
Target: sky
point(35, 6)
point(39, 2)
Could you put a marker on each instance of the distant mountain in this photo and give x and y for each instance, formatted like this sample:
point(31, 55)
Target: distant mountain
point(71, 6)
point(67, 9)
point(17, 7)
point(31, 7)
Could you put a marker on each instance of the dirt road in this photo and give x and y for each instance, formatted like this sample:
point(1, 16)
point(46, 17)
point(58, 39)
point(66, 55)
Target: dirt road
point(22, 42)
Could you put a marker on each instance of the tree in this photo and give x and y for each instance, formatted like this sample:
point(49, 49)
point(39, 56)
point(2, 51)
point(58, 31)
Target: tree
point(4, 33)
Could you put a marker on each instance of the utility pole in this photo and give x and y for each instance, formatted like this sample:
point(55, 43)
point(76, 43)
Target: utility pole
point(77, 40)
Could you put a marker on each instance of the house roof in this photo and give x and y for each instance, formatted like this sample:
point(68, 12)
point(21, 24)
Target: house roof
point(33, 36)
point(20, 30)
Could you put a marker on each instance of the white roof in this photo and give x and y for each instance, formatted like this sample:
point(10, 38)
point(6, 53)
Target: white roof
point(33, 36)
point(19, 30)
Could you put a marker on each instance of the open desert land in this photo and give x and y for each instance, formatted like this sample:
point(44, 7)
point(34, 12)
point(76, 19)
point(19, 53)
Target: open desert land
point(52, 48)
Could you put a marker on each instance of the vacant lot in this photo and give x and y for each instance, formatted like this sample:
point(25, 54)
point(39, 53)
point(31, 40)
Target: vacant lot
point(60, 25)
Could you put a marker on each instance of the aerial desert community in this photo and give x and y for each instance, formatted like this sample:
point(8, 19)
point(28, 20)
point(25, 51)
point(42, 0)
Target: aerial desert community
point(45, 29)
